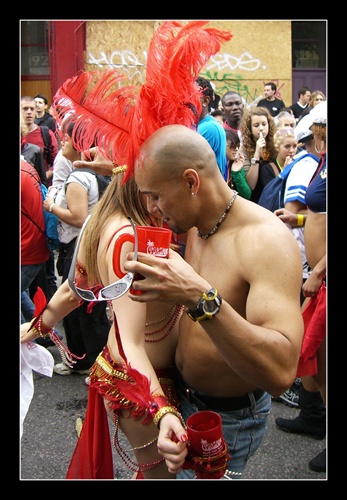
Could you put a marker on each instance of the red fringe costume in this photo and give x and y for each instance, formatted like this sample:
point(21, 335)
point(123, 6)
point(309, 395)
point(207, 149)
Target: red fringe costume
point(314, 316)
point(92, 457)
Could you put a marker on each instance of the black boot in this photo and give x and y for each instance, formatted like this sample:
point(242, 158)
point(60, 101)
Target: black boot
point(312, 418)
point(319, 463)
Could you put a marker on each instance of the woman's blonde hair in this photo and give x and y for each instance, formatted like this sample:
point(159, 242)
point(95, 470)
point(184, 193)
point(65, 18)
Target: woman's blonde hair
point(119, 197)
point(282, 134)
point(314, 94)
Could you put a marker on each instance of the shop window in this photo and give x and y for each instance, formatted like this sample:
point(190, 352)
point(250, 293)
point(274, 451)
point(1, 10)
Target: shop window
point(309, 44)
point(34, 50)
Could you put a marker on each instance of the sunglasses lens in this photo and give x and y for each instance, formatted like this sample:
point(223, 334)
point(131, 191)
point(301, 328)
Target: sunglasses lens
point(85, 294)
point(118, 289)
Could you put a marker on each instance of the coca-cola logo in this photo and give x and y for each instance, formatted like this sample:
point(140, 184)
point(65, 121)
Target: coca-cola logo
point(157, 251)
point(211, 448)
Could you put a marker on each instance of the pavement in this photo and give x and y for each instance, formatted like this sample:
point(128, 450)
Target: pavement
point(49, 436)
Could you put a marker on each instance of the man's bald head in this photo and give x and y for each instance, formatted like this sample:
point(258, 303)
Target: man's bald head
point(174, 148)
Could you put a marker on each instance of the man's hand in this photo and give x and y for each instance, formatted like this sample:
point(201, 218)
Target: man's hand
point(93, 159)
point(170, 280)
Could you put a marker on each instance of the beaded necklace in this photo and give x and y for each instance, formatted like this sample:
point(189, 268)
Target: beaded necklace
point(214, 230)
point(135, 467)
point(176, 311)
point(162, 319)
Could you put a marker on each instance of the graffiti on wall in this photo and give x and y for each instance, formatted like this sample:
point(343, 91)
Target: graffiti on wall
point(222, 69)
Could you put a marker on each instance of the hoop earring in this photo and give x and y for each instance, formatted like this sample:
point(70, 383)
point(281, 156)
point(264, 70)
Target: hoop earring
point(315, 147)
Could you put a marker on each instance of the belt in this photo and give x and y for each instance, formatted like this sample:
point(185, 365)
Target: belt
point(206, 402)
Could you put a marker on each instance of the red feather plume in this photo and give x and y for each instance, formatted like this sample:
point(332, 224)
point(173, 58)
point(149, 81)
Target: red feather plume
point(40, 303)
point(117, 118)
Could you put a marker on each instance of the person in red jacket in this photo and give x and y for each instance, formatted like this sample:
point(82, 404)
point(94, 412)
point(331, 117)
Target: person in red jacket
point(33, 244)
point(47, 279)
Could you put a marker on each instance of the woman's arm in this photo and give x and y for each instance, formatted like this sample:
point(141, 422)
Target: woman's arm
point(62, 303)
point(238, 175)
point(77, 202)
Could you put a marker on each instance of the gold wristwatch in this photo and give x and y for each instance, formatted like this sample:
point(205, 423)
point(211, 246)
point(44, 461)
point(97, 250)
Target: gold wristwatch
point(207, 307)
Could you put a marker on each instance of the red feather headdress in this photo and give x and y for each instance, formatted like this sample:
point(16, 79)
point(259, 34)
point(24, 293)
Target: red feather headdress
point(117, 118)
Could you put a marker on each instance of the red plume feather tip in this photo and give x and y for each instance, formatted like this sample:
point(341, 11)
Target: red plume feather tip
point(118, 119)
point(40, 302)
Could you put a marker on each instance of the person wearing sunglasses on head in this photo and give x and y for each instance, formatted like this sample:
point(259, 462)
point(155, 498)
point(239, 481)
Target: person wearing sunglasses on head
point(134, 372)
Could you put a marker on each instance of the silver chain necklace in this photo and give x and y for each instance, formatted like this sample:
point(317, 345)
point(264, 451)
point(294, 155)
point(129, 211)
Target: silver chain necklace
point(214, 230)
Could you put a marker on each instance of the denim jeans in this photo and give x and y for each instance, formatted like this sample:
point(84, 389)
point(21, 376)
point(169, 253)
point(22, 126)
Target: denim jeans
point(28, 274)
point(27, 307)
point(243, 431)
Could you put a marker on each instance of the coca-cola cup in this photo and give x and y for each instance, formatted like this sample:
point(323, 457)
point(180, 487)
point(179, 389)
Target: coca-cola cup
point(207, 445)
point(152, 240)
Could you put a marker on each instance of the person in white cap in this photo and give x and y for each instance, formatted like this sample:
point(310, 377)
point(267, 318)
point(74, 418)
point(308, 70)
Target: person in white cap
point(312, 398)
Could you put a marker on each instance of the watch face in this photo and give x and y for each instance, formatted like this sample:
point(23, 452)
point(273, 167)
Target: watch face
point(209, 306)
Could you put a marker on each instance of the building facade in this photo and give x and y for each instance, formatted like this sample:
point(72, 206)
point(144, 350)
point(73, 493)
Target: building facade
point(290, 53)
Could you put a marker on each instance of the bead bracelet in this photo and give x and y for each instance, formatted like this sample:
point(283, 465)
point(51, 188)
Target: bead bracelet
point(40, 328)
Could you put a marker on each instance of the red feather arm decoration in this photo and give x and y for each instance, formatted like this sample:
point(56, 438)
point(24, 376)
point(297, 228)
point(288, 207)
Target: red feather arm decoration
point(40, 303)
point(118, 119)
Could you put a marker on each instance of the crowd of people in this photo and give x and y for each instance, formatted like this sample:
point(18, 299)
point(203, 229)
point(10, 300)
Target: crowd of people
point(205, 328)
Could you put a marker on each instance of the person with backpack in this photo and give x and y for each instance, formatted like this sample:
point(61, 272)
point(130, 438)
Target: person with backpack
point(286, 147)
point(312, 364)
point(287, 192)
point(86, 331)
point(40, 135)
point(45, 138)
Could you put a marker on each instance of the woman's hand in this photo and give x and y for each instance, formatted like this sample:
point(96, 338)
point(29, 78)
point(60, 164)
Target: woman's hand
point(172, 441)
point(26, 336)
point(260, 144)
point(238, 162)
point(48, 202)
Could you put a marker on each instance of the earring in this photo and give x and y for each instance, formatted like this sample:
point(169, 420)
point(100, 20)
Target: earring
point(193, 194)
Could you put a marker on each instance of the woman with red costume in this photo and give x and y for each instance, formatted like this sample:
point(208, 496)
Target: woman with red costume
point(141, 337)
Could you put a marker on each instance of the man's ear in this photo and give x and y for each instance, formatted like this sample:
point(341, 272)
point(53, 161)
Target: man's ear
point(192, 178)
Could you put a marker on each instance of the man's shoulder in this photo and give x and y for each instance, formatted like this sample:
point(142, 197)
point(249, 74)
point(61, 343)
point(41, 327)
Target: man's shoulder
point(210, 126)
point(294, 106)
point(31, 147)
point(46, 120)
point(262, 102)
point(27, 168)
